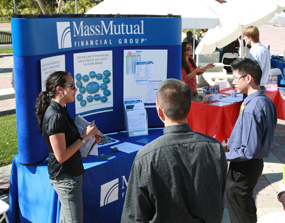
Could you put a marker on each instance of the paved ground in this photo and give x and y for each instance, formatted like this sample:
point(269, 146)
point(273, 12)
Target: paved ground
point(267, 187)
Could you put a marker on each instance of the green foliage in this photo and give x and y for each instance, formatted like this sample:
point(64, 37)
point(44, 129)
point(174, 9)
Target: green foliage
point(192, 30)
point(68, 7)
point(7, 7)
point(8, 139)
point(31, 7)
point(6, 51)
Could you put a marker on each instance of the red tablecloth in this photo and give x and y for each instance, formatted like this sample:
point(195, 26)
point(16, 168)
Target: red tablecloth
point(279, 103)
point(218, 121)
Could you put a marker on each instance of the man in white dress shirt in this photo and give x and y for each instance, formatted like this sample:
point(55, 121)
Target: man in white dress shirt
point(258, 52)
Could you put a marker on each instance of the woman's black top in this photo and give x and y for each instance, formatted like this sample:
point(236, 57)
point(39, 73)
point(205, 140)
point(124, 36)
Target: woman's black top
point(57, 120)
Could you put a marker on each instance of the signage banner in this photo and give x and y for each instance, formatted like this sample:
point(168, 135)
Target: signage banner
point(57, 35)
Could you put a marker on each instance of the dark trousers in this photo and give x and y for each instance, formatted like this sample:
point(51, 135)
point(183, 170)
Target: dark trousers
point(242, 178)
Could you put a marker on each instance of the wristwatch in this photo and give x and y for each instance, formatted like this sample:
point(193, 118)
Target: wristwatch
point(82, 140)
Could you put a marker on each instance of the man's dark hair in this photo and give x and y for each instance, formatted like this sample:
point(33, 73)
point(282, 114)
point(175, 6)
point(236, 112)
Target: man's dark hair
point(174, 97)
point(247, 66)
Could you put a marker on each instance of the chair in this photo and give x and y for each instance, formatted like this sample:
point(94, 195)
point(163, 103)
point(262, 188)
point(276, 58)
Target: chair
point(227, 59)
point(4, 207)
point(275, 72)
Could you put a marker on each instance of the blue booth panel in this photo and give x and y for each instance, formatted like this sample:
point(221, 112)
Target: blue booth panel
point(38, 38)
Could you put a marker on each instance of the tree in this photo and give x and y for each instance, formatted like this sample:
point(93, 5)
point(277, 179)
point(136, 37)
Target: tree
point(36, 7)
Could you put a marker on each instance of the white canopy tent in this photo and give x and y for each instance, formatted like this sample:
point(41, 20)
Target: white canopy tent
point(279, 18)
point(238, 14)
point(202, 14)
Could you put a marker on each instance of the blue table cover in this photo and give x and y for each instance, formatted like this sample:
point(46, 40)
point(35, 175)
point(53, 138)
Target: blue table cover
point(33, 199)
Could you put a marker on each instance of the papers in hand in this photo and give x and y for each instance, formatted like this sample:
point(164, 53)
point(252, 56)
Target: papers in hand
point(81, 123)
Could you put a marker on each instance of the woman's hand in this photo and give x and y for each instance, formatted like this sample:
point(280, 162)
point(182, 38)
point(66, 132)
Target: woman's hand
point(200, 70)
point(90, 131)
point(98, 137)
point(210, 65)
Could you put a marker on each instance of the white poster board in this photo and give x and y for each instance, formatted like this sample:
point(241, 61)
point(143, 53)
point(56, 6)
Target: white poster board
point(144, 70)
point(50, 65)
point(93, 77)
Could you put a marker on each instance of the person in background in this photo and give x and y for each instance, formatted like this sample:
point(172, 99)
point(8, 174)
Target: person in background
point(281, 194)
point(189, 38)
point(189, 70)
point(201, 34)
point(232, 48)
point(258, 52)
point(63, 141)
point(250, 141)
point(276, 217)
point(180, 176)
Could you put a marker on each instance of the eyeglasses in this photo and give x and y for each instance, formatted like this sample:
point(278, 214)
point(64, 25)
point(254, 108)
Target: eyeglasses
point(72, 86)
point(189, 48)
point(236, 79)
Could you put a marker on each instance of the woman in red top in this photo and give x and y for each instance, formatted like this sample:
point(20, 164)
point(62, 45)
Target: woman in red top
point(189, 69)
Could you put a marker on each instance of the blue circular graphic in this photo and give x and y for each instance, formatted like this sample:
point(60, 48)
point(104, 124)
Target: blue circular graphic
point(104, 99)
point(79, 97)
point(99, 76)
point(83, 103)
point(78, 76)
point(92, 87)
point(97, 97)
point(106, 73)
point(86, 78)
point(92, 74)
point(103, 86)
point(107, 92)
point(90, 98)
point(82, 90)
point(106, 80)
point(78, 84)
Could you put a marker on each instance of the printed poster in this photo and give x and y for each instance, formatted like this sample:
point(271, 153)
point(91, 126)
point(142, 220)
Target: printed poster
point(50, 65)
point(93, 76)
point(144, 70)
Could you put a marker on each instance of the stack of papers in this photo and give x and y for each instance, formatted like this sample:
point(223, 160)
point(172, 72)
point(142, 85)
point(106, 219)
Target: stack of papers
point(230, 99)
point(227, 98)
point(135, 117)
point(127, 147)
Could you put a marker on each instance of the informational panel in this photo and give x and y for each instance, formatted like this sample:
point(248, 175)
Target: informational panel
point(50, 65)
point(94, 81)
point(144, 70)
point(110, 58)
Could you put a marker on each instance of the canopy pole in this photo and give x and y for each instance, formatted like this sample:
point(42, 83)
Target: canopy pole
point(194, 43)
point(241, 45)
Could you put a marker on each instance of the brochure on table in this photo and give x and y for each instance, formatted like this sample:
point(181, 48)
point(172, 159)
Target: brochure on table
point(135, 117)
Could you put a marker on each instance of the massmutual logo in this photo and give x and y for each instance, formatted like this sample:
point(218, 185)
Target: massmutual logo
point(111, 192)
point(63, 35)
point(80, 34)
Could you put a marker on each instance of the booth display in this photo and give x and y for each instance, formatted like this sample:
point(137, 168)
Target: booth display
point(105, 55)
point(111, 59)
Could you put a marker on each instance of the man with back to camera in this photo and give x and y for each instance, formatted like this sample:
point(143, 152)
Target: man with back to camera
point(250, 141)
point(258, 52)
point(180, 176)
